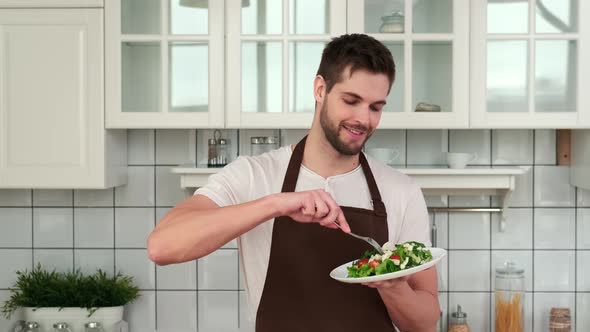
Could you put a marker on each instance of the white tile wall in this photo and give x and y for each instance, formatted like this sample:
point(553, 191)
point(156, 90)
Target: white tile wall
point(16, 226)
point(552, 187)
point(512, 147)
point(427, 147)
point(16, 197)
point(555, 229)
point(177, 311)
point(472, 141)
point(106, 229)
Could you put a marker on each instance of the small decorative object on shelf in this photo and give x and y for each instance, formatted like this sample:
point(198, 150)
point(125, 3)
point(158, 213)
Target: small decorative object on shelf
point(61, 327)
point(560, 320)
point(218, 150)
point(93, 327)
point(260, 145)
point(393, 23)
point(31, 327)
point(424, 107)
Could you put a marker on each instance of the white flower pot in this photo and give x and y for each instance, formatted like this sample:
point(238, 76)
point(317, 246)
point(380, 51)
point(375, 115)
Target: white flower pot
point(75, 317)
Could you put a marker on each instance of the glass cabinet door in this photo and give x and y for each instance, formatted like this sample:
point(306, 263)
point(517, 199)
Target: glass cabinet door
point(273, 53)
point(527, 57)
point(429, 43)
point(165, 63)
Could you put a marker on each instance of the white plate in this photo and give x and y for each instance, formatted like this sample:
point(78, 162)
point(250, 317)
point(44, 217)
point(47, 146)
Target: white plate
point(341, 273)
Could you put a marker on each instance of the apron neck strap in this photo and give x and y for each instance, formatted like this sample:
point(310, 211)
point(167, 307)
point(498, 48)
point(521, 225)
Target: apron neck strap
point(295, 164)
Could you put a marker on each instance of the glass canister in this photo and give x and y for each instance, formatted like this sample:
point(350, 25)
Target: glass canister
point(458, 321)
point(393, 23)
point(61, 327)
point(31, 327)
point(93, 327)
point(260, 145)
point(217, 155)
point(509, 293)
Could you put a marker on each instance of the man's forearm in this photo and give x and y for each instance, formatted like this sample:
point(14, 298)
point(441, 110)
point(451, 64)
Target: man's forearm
point(411, 310)
point(186, 234)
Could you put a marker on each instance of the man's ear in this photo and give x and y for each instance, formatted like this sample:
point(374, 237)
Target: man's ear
point(319, 89)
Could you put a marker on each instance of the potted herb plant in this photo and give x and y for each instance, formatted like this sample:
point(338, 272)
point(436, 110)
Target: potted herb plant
point(49, 297)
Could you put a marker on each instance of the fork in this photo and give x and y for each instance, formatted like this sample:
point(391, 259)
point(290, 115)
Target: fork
point(367, 239)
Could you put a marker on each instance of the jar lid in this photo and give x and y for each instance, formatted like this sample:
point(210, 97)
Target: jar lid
point(395, 15)
point(222, 141)
point(92, 325)
point(459, 313)
point(31, 324)
point(509, 270)
point(212, 141)
point(60, 325)
point(270, 140)
point(256, 140)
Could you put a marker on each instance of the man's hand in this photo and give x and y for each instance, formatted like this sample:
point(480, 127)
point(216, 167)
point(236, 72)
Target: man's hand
point(312, 206)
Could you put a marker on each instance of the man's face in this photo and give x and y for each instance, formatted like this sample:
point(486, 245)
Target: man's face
point(352, 110)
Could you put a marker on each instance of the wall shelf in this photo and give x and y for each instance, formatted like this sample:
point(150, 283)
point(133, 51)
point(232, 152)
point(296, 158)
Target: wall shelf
point(433, 181)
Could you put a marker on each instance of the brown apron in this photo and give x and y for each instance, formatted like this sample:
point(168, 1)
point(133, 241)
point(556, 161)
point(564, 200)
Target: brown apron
point(298, 293)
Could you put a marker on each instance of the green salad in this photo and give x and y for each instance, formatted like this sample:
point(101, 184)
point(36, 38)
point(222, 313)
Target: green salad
point(395, 258)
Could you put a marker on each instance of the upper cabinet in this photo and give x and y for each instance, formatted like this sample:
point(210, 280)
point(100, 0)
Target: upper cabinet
point(429, 41)
point(530, 64)
point(52, 101)
point(273, 53)
point(164, 63)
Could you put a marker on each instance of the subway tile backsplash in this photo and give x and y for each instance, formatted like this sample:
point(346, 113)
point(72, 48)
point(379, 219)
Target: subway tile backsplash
point(547, 230)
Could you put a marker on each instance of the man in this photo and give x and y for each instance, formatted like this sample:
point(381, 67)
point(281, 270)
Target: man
point(283, 205)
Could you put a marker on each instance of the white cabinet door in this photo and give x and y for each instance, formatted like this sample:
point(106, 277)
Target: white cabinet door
point(274, 49)
point(164, 63)
point(530, 64)
point(429, 41)
point(51, 102)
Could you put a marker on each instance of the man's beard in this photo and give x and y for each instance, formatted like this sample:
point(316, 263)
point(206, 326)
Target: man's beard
point(332, 134)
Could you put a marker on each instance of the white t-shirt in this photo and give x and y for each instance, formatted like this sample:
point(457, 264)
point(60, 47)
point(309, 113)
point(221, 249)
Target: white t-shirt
point(249, 178)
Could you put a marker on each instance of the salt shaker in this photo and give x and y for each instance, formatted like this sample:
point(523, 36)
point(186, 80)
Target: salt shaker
point(218, 151)
point(61, 327)
point(93, 327)
point(31, 327)
point(458, 321)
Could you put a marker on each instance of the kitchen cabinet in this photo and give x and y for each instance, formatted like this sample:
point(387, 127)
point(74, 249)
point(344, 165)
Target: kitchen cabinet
point(52, 100)
point(529, 64)
point(165, 63)
point(273, 53)
point(429, 41)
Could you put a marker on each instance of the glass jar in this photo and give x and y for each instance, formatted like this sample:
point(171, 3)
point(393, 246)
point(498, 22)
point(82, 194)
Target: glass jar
point(19, 326)
point(393, 23)
point(93, 327)
point(217, 155)
point(560, 320)
point(509, 294)
point(31, 327)
point(61, 327)
point(458, 321)
point(260, 145)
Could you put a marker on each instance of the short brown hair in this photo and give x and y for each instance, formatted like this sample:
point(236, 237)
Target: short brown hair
point(358, 51)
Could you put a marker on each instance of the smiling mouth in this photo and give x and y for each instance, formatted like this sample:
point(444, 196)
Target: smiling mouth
point(354, 131)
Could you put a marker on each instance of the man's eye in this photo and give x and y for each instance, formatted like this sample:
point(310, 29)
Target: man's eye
point(376, 109)
point(350, 102)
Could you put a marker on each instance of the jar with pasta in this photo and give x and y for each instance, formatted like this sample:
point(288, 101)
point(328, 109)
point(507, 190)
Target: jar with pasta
point(509, 294)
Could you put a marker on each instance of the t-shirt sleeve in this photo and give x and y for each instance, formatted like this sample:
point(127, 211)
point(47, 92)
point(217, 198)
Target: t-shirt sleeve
point(231, 185)
point(416, 223)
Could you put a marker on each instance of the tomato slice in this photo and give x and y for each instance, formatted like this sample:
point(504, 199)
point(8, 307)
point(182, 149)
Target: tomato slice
point(374, 264)
point(362, 262)
point(396, 257)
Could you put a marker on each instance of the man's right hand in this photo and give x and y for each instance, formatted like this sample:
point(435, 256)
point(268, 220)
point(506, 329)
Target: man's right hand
point(312, 206)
